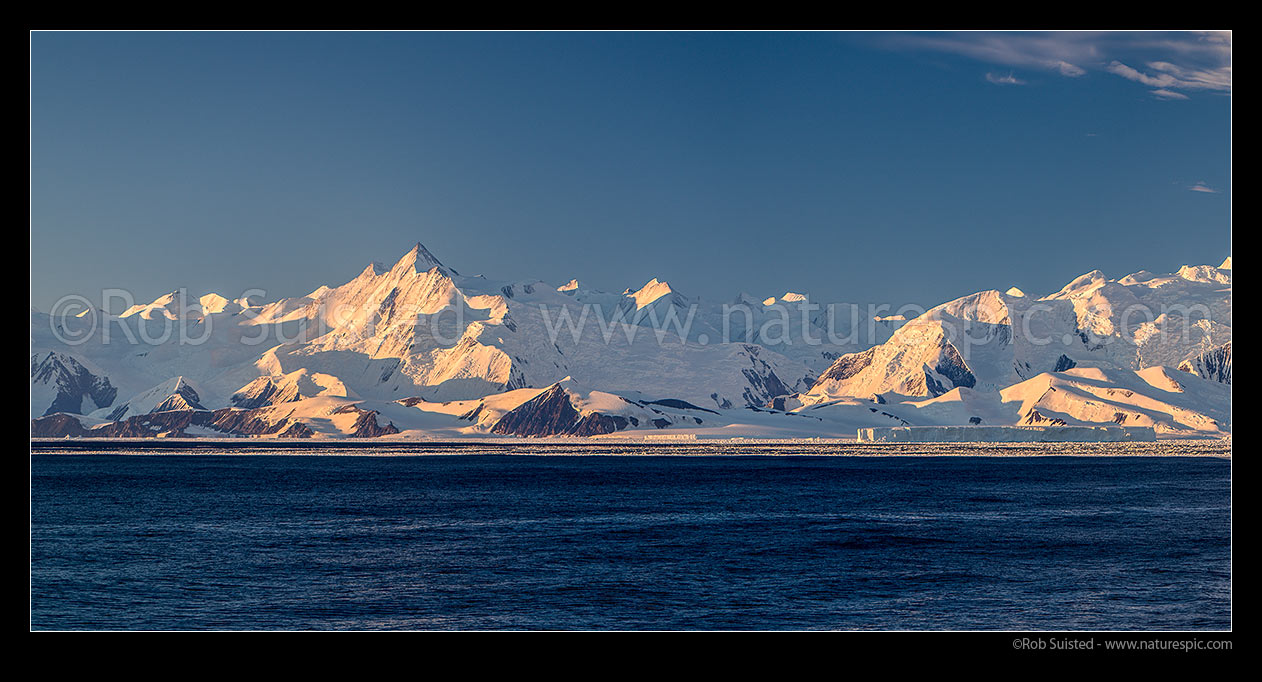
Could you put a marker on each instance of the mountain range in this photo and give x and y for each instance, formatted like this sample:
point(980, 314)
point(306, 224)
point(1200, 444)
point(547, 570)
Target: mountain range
point(417, 350)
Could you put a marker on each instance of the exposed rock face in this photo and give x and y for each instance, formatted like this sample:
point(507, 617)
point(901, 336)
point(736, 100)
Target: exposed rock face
point(178, 402)
point(552, 413)
point(248, 423)
point(784, 403)
point(175, 394)
point(1035, 418)
point(946, 364)
point(847, 366)
point(262, 392)
point(69, 382)
point(183, 398)
point(295, 429)
point(57, 426)
point(763, 387)
point(595, 424)
point(763, 382)
point(1064, 362)
point(228, 421)
point(547, 414)
point(953, 367)
point(915, 384)
point(366, 425)
point(1214, 364)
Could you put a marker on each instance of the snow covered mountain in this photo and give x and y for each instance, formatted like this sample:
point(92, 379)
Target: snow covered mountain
point(60, 383)
point(172, 395)
point(417, 349)
point(989, 340)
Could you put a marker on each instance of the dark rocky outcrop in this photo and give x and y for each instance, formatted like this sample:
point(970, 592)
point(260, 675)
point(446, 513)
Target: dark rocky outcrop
point(263, 392)
point(763, 387)
point(296, 429)
point(57, 426)
point(915, 384)
point(1063, 363)
point(847, 366)
point(1035, 418)
point(181, 398)
point(227, 421)
point(552, 413)
point(763, 382)
point(366, 425)
point(1213, 364)
point(546, 414)
point(73, 381)
point(595, 424)
point(178, 402)
point(953, 367)
point(933, 387)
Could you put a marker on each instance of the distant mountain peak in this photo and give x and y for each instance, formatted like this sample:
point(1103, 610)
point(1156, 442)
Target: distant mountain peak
point(419, 259)
point(788, 297)
point(650, 292)
point(1085, 282)
point(213, 303)
point(1205, 273)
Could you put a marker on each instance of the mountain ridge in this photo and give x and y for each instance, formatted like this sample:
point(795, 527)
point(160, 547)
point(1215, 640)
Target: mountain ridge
point(419, 331)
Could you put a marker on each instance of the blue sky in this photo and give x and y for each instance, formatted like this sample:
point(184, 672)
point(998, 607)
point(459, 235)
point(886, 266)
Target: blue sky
point(866, 167)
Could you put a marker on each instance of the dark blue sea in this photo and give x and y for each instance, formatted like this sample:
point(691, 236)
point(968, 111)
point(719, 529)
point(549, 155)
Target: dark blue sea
point(593, 542)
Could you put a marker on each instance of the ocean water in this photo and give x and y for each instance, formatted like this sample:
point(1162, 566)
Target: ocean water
point(656, 542)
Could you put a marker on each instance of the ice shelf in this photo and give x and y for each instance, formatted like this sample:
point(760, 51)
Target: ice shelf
point(1006, 434)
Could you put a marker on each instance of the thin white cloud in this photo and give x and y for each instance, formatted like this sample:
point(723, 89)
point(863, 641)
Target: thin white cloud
point(1139, 77)
point(1168, 77)
point(1171, 63)
point(1058, 52)
point(999, 79)
point(1067, 69)
point(1202, 187)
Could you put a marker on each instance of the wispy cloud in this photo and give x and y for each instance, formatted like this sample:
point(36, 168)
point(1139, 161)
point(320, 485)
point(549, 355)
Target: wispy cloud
point(1067, 69)
point(1167, 77)
point(1202, 187)
point(999, 79)
point(1171, 63)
